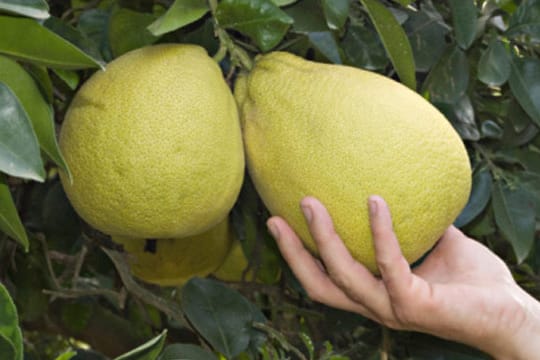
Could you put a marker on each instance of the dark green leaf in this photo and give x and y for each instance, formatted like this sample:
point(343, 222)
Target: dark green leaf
point(494, 65)
point(426, 30)
point(526, 20)
point(128, 31)
point(75, 37)
point(336, 13)
point(10, 223)
point(147, 351)
point(363, 49)
point(37, 9)
point(34, 106)
point(515, 216)
point(94, 23)
point(461, 115)
point(490, 129)
point(478, 199)
point(530, 181)
point(464, 20)
point(261, 20)
point(519, 129)
point(221, 315)
point(307, 17)
point(41, 76)
point(40, 45)
point(449, 78)
point(19, 149)
point(61, 225)
point(187, 352)
point(181, 13)
point(9, 322)
point(394, 40)
point(324, 42)
point(7, 349)
point(524, 80)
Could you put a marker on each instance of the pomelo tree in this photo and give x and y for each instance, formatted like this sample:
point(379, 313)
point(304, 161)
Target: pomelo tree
point(67, 290)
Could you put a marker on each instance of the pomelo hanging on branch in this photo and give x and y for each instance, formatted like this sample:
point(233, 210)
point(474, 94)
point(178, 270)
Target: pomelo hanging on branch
point(341, 134)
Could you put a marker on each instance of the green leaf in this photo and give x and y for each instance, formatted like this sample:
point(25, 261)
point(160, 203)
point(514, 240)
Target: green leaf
point(461, 115)
point(363, 49)
point(66, 356)
point(261, 20)
point(69, 77)
point(464, 19)
point(186, 351)
point(449, 78)
point(181, 13)
point(395, 41)
point(324, 42)
point(37, 9)
point(525, 20)
point(41, 76)
point(478, 199)
point(221, 315)
point(128, 30)
point(281, 3)
point(147, 351)
point(7, 349)
point(491, 130)
point(494, 64)
point(307, 17)
point(35, 107)
point(19, 149)
point(9, 322)
point(336, 13)
point(404, 2)
point(524, 80)
point(426, 30)
point(94, 24)
point(10, 223)
point(40, 45)
point(76, 37)
point(515, 216)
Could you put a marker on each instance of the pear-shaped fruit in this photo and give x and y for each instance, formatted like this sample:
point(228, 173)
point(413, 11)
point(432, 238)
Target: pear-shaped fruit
point(172, 262)
point(341, 134)
point(154, 145)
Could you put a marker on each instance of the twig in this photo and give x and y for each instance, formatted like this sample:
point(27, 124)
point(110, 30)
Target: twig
point(41, 239)
point(169, 308)
point(77, 293)
point(276, 335)
point(78, 264)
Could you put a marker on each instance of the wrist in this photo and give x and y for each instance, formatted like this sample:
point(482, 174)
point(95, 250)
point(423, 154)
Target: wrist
point(520, 340)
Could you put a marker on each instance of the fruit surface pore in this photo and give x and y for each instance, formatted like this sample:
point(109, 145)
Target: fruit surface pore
point(154, 145)
point(341, 134)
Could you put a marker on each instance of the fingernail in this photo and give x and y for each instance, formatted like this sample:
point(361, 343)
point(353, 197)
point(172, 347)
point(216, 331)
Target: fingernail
point(307, 213)
point(372, 203)
point(273, 229)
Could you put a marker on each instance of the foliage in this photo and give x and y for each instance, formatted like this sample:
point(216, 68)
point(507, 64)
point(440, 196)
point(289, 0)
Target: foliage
point(477, 61)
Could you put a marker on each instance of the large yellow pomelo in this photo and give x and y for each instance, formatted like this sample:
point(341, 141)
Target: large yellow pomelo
point(154, 144)
point(234, 265)
point(172, 262)
point(341, 134)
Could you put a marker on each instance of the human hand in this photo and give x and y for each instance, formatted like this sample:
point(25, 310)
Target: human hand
point(461, 291)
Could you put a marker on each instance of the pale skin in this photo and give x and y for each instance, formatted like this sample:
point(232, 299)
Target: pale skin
point(461, 291)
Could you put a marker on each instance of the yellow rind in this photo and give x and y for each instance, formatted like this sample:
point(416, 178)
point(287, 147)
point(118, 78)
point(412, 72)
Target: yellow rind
point(341, 134)
point(154, 145)
point(175, 261)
